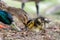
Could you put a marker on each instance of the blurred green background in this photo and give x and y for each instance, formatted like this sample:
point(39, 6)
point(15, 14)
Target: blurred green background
point(43, 8)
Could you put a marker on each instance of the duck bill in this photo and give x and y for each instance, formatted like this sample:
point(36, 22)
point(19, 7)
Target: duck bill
point(15, 27)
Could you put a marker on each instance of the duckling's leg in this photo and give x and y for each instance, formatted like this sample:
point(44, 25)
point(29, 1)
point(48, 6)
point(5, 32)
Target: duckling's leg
point(37, 8)
point(23, 4)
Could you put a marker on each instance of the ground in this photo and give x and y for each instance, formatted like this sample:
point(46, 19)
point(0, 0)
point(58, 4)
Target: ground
point(52, 32)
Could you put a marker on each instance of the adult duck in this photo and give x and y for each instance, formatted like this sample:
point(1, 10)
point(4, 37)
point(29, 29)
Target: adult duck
point(36, 3)
point(6, 18)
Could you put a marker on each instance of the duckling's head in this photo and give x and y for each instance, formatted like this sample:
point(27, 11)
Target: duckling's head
point(42, 19)
point(40, 22)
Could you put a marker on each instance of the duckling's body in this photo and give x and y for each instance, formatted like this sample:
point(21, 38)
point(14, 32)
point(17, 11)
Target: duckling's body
point(34, 25)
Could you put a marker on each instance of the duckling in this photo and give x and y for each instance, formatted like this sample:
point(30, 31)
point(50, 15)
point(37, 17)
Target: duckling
point(37, 24)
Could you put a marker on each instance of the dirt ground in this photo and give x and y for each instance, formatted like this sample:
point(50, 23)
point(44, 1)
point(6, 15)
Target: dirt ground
point(51, 33)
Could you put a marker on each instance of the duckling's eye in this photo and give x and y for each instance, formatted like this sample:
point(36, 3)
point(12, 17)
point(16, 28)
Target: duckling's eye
point(39, 20)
